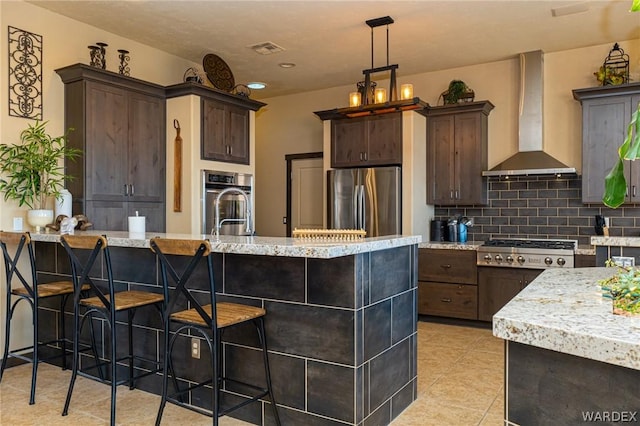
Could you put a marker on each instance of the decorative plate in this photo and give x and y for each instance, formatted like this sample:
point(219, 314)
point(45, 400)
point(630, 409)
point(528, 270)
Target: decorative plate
point(218, 72)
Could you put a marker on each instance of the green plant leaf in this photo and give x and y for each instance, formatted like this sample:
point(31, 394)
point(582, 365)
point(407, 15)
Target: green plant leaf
point(635, 6)
point(615, 184)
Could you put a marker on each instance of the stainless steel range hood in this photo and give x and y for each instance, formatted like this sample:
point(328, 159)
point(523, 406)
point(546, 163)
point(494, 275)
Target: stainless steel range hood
point(530, 159)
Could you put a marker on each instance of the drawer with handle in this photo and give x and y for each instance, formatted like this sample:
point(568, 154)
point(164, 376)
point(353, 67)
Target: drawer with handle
point(448, 300)
point(449, 266)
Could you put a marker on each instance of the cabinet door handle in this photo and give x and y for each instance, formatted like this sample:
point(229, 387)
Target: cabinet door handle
point(131, 192)
point(361, 156)
point(457, 194)
point(366, 156)
point(446, 266)
point(633, 192)
point(126, 190)
point(230, 150)
point(445, 300)
point(451, 194)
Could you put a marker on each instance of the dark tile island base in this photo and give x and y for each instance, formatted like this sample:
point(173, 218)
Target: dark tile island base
point(341, 331)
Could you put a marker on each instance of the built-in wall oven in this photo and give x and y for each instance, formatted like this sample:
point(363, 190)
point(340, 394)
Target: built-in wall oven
point(232, 205)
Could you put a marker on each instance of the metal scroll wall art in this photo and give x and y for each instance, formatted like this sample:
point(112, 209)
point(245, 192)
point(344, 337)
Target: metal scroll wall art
point(25, 74)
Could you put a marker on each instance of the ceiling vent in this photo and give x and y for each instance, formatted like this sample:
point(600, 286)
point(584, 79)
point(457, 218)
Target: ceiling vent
point(266, 48)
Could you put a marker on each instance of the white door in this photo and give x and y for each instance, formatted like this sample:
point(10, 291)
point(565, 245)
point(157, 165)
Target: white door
point(306, 193)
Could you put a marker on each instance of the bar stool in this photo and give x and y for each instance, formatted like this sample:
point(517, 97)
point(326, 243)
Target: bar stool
point(198, 319)
point(32, 293)
point(105, 304)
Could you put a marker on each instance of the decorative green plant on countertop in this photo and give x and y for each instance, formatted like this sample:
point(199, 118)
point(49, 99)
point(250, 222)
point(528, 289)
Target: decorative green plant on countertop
point(623, 288)
point(615, 184)
point(31, 169)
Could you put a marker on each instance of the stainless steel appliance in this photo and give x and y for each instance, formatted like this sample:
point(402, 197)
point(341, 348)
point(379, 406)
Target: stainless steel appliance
point(368, 199)
point(527, 253)
point(232, 205)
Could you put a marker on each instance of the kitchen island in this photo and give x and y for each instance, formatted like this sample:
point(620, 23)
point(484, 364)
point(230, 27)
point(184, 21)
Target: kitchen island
point(568, 359)
point(341, 321)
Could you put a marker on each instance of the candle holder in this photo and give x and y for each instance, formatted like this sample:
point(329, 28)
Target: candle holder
point(124, 62)
point(102, 56)
point(94, 53)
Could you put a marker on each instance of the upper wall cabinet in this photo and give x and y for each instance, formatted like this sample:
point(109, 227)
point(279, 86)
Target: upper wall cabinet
point(224, 122)
point(457, 153)
point(367, 141)
point(119, 124)
point(606, 112)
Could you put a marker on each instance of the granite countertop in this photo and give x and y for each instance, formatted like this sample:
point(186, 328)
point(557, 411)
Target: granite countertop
point(450, 246)
point(265, 246)
point(616, 241)
point(563, 310)
point(586, 250)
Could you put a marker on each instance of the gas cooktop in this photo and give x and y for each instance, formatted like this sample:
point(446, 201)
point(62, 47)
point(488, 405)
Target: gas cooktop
point(534, 244)
point(527, 253)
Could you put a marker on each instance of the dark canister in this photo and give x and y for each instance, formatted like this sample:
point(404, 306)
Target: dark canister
point(438, 230)
point(452, 231)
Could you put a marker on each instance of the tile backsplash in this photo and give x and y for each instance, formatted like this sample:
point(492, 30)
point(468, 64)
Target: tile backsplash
point(541, 207)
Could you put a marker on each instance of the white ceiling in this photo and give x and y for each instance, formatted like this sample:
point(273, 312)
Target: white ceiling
point(331, 44)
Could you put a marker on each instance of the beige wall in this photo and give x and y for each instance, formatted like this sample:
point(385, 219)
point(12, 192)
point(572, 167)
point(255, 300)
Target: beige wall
point(288, 125)
point(65, 42)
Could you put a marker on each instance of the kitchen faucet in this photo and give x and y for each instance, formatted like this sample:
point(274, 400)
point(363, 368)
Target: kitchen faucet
point(247, 211)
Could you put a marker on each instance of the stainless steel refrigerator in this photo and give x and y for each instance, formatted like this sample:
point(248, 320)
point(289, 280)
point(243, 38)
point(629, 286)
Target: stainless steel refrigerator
point(368, 199)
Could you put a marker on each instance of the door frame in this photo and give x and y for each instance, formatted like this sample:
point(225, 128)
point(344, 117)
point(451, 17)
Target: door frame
point(289, 158)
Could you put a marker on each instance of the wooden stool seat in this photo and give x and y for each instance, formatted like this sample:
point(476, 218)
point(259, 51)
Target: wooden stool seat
point(56, 288)
point(125, 300)
point(227, 314)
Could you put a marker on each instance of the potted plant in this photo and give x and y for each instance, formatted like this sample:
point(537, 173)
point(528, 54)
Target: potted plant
point(623, 288)
point(456, 92)
point(32, 171)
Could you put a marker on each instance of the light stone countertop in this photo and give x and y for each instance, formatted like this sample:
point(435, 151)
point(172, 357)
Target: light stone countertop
point(264, 246)
point(563, 310)
point(450, 245)
point(586, 250)
point(616, 241)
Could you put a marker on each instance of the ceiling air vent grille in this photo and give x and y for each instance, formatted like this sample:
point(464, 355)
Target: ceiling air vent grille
point(266, 48)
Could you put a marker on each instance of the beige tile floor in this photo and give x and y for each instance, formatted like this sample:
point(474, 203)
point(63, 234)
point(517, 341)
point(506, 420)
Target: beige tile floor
point(460, 383)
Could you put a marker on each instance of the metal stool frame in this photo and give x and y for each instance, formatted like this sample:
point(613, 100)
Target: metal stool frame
point(32, 297)
point(200, 250)
point(80, 273)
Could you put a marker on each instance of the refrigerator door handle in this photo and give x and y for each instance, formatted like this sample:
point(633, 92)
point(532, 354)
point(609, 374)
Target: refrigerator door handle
point(363, 217)
point(356, 207)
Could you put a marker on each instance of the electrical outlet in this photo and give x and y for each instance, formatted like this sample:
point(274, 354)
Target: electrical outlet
point(624, 260)
point(195, 348)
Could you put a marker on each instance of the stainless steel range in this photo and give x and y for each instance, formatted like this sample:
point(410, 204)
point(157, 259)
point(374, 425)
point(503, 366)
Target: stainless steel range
point(526, 253)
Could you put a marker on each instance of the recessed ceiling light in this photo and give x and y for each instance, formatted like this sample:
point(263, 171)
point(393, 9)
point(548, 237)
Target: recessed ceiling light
point(257, 85)
point(287, 64)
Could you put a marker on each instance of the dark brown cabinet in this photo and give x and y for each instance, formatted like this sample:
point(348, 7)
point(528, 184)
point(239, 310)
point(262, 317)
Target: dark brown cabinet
point(367, 141)
point(497, 286)
point(119, 125)
point(606, 112)
point(447, 283)
point(225, 132)
point(457, 153)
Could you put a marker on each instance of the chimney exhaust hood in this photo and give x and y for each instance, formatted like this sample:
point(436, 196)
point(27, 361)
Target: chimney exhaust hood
point(530, 159)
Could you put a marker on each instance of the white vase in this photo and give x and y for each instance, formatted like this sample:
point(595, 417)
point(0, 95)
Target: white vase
point(63, 203)
point(39, 218)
